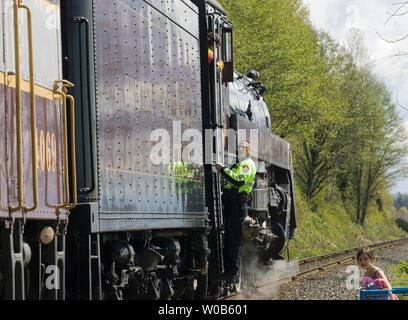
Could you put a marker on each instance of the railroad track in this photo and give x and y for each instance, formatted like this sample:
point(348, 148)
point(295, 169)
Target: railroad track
point(312, 266)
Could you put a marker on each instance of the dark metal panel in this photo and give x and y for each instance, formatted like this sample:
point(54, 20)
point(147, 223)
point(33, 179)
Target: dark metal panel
point(113, 221)
point(78, 50)
point(271, 148)
point(177, 11)
point(148, 77)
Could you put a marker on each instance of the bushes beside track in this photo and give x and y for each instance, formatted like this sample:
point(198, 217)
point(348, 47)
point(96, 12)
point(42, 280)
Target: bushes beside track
point(327, 225)
point(400, 275)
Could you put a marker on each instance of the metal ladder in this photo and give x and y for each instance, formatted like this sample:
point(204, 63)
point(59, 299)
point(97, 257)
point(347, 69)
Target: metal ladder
point(95, 292)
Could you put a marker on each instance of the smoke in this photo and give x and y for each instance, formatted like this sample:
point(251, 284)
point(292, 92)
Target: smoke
point(260, 281)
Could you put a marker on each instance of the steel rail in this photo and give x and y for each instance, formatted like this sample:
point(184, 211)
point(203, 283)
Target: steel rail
point(341, 257)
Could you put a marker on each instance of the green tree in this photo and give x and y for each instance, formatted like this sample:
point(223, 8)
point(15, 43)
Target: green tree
point(341, 121)
point(403, 213)
point(275, 37)
point(374, 135)
point(318, 154)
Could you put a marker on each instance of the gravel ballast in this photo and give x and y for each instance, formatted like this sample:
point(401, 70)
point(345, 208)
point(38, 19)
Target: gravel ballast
point(331, 284)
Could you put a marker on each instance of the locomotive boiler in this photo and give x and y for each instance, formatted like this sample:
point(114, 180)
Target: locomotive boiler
point(103, 104)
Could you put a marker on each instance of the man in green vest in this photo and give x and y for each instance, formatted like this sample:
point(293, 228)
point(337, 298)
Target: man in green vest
point(211, 39)
point(218, 41)
point(236, 196)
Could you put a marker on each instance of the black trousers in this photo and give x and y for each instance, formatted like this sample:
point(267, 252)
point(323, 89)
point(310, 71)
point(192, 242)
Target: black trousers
point(235, 211)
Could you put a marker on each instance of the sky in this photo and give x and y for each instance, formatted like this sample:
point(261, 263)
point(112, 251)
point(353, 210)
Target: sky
point(371, 17)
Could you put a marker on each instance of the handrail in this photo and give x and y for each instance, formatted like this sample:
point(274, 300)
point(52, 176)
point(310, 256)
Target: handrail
point(18, 110)
point(33, 108)
point(18, 5)
point(67, 85)
point(65, 139)
point(80, 20)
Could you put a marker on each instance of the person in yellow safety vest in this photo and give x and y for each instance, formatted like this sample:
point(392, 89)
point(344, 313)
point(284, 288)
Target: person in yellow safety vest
point(218, 41)
point(236, 196)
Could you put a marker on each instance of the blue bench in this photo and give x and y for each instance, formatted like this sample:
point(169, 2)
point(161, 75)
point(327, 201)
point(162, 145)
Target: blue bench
point(381, 294)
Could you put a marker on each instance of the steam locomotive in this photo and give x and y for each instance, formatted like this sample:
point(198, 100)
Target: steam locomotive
point(88, 90)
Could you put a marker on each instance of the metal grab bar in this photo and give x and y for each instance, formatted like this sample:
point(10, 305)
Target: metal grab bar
point(18, 5)
point(82, 20)
point(62, 93)
point(18, 109)
point(67, 85)
point(33, 108)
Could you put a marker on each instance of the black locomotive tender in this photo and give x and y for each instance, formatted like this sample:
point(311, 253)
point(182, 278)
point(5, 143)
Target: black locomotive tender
point(146, 231)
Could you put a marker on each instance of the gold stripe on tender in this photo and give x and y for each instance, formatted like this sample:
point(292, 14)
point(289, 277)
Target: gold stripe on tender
point(25, 86)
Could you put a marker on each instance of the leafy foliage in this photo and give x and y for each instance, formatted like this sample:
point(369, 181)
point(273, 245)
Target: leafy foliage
point(400, 274)
point(402, 224)
point(401, 200)
point(332, 228)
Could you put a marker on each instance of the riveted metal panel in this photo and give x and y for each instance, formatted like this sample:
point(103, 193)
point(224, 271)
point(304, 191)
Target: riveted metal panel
point(179, 12)
point(148, 78)
point(271, 148)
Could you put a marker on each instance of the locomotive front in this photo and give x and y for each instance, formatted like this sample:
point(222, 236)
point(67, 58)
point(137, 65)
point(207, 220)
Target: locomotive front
point(272, 214)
